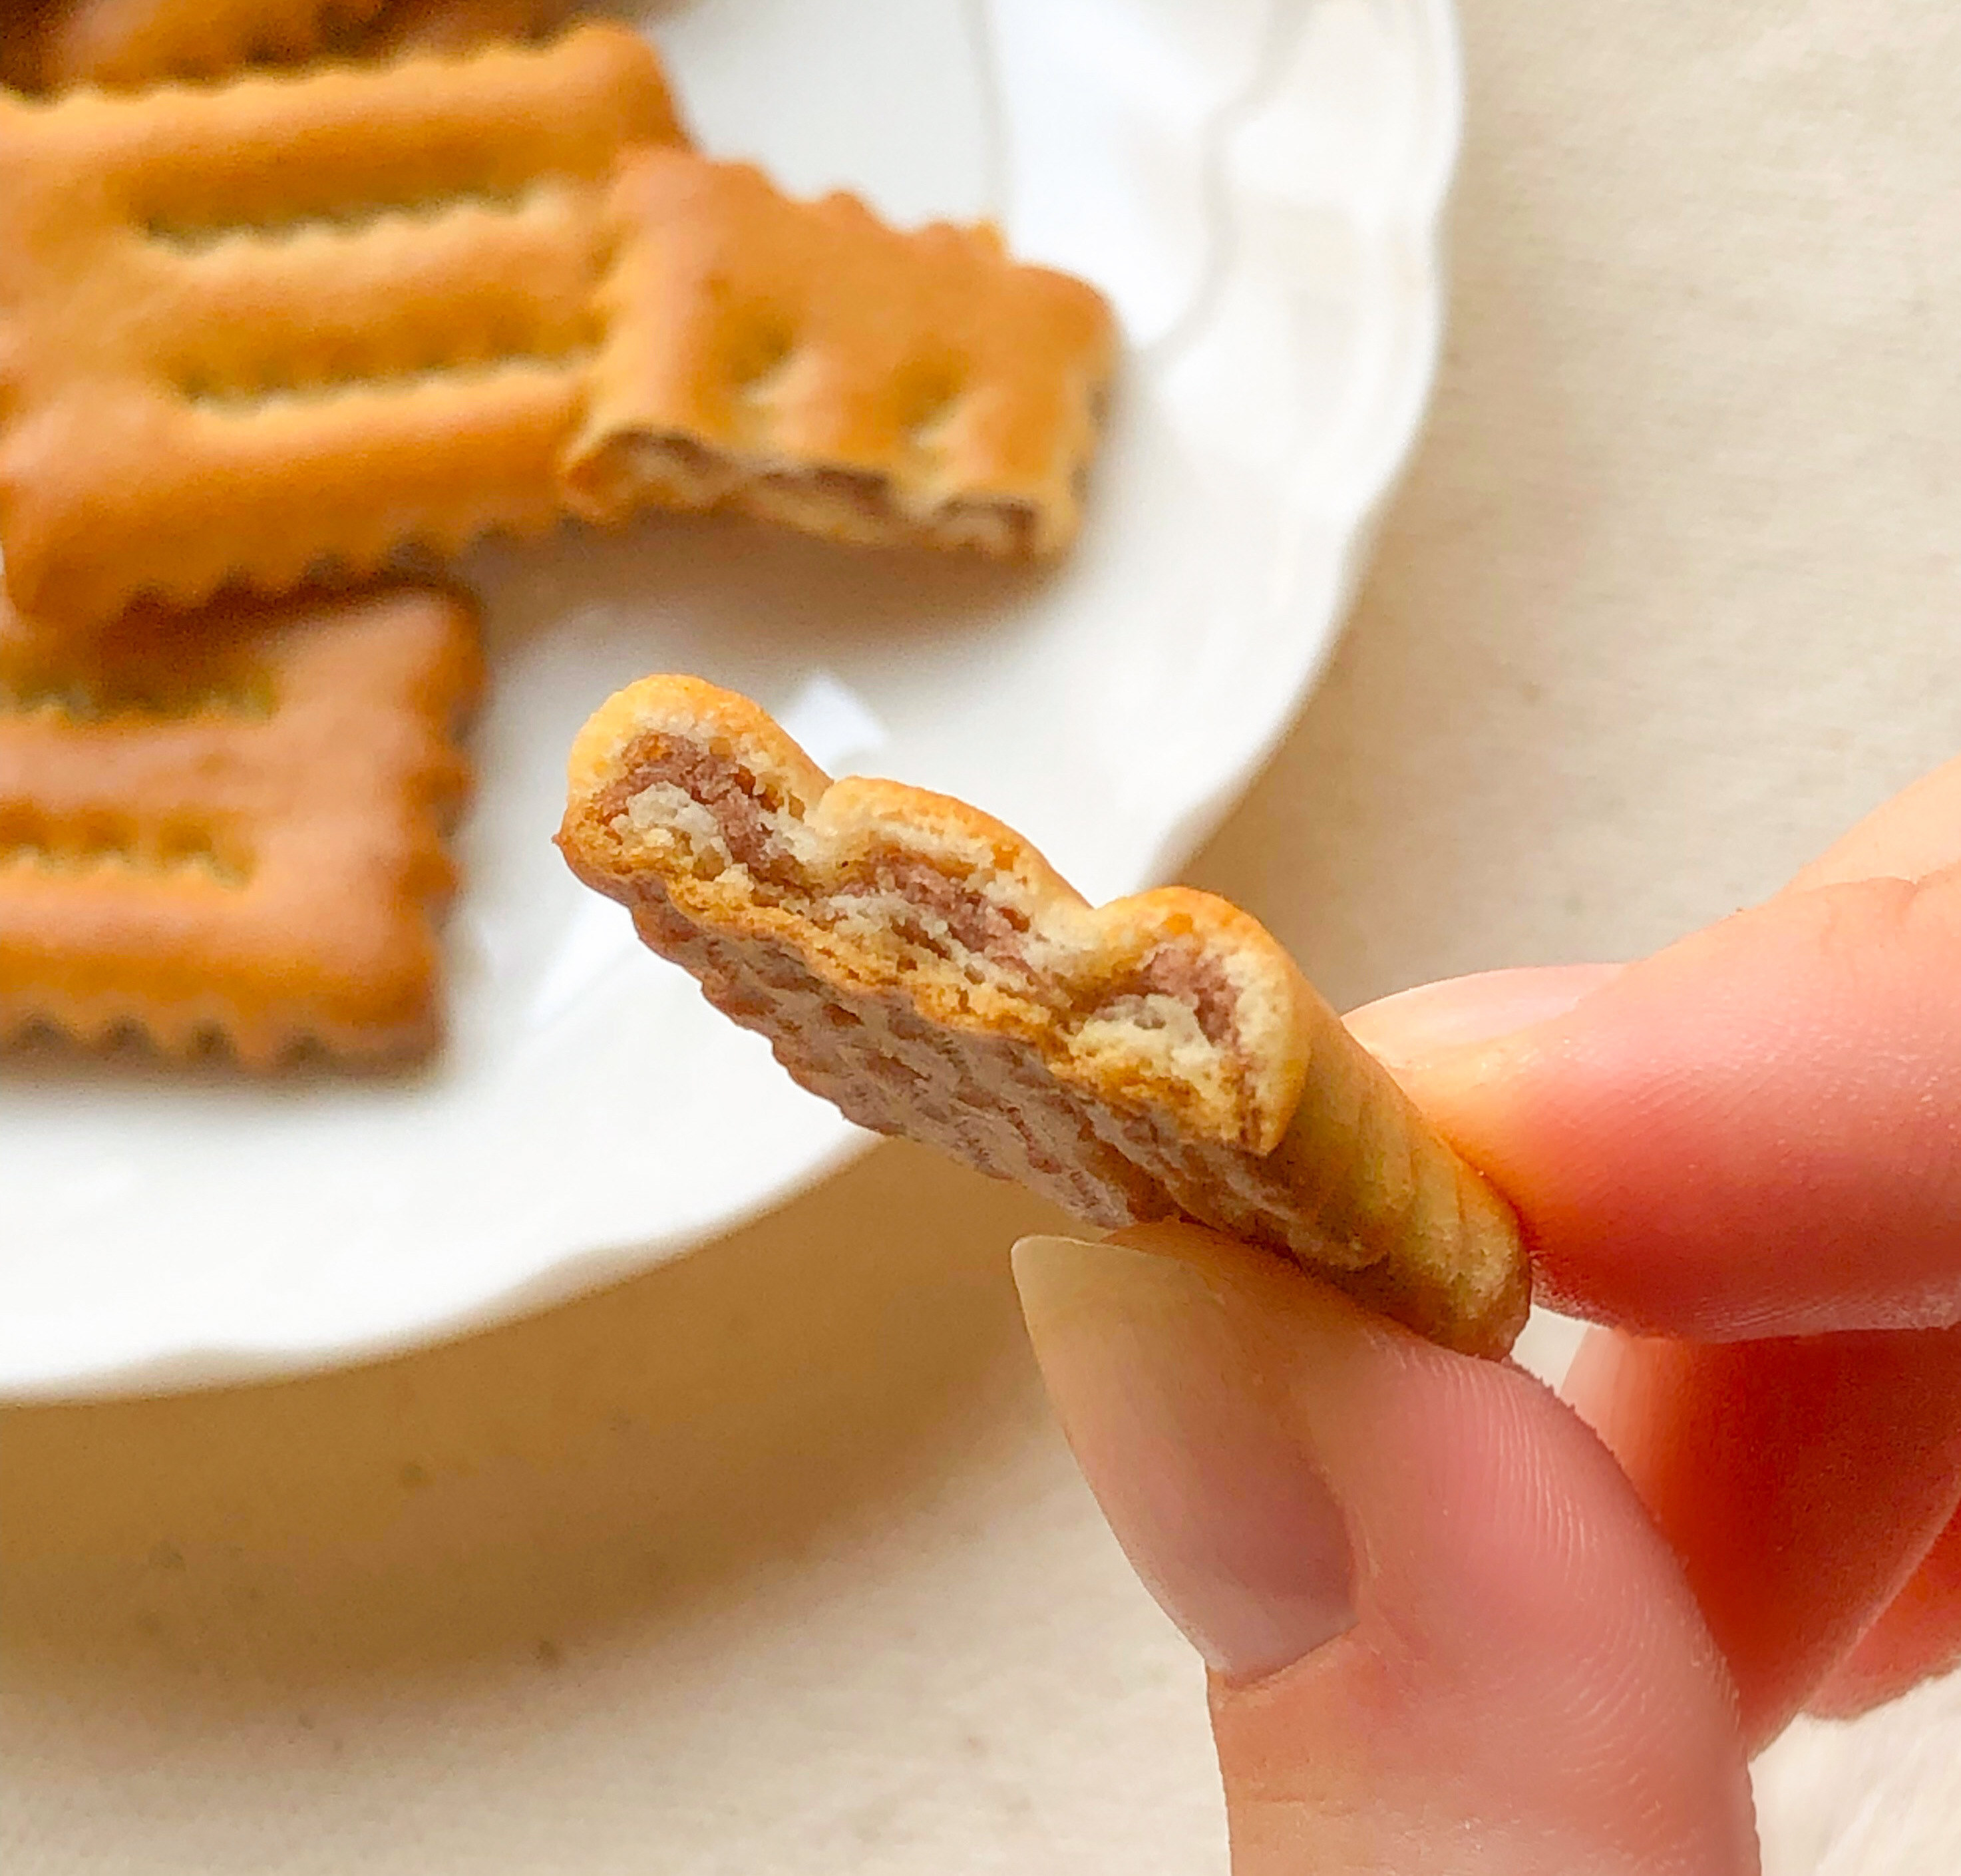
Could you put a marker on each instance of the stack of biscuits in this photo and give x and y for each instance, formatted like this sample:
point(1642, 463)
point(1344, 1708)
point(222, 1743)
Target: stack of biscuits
point(294, 293)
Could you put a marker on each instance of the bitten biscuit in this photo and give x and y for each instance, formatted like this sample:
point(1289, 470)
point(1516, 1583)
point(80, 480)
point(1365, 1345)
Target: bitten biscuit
point(125, 45)
point(290, 325)
point(802, 361)
point(921, 967)
point(228, 825)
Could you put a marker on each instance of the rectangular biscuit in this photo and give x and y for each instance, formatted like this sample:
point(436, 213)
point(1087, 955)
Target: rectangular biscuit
point(925, 969)
point(125, 45)
point(802, 362)
point(295, 322)
point(228, 824)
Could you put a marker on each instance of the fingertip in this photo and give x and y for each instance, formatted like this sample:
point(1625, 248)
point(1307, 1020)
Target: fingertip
point(1434, 1019)
point(1168, 1403)
point(1750, 1133)
point(1917, 834)
point(1527, 1670)
point(1434, 1613)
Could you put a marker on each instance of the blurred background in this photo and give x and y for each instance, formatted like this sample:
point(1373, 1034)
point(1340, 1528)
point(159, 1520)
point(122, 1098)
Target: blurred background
point(771, 1558)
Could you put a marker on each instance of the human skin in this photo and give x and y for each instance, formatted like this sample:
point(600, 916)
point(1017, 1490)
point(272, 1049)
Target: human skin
point(1454, 1624)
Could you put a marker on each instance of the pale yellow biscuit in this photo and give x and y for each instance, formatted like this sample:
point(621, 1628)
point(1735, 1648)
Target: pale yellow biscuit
point(923, 967)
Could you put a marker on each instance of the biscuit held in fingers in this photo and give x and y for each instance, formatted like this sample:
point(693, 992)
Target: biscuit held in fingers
point(924, 968)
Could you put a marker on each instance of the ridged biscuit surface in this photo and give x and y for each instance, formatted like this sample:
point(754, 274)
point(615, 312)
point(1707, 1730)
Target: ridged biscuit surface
point(291, 325)
point(227, 826)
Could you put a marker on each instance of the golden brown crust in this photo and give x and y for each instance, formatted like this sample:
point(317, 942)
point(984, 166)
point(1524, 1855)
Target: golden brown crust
point(920, 965)
point(802, 362)
point(294, 323)
point(229, 824)
point(127, 45)
point(405, 26)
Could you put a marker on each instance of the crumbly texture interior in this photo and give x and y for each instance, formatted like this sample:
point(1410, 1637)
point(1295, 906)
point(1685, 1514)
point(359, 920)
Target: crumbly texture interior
point(924, 920)
point(853, 506)
point(918, 966)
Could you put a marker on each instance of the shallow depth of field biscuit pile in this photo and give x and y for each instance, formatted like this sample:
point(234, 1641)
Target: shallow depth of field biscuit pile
point(295, 294)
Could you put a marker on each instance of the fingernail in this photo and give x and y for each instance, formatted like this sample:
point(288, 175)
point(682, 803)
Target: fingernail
point(1215, 1501)
point(1416, 1024)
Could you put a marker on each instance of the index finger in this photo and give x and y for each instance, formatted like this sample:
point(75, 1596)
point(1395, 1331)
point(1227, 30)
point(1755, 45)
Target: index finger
point(1916, 834)
point(1755, 1132)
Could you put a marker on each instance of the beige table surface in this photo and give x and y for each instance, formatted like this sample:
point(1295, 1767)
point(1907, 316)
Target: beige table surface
point(772, 1560)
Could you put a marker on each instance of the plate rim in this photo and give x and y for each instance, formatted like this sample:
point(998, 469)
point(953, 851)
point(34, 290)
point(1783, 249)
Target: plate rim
point(1423, 217)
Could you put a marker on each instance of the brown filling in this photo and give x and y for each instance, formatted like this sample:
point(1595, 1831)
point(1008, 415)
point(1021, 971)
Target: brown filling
point(1199, 981)
point(740, 802)
point(856, 491)
point(960, 925)
point(688, 471)
point(1001, 527)
point(737, 800)
point(977, 924)
point(679, 466)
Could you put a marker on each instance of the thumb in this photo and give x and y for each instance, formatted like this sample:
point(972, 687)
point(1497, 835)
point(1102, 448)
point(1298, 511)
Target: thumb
point(1442, 1636)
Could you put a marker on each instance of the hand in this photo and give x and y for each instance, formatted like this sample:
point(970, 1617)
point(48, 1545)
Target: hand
point(1455, 1624)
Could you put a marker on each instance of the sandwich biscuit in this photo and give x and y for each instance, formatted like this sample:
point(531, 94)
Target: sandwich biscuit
point(923, 968)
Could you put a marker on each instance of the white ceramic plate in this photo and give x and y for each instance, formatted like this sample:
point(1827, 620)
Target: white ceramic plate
point(1257, 183)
